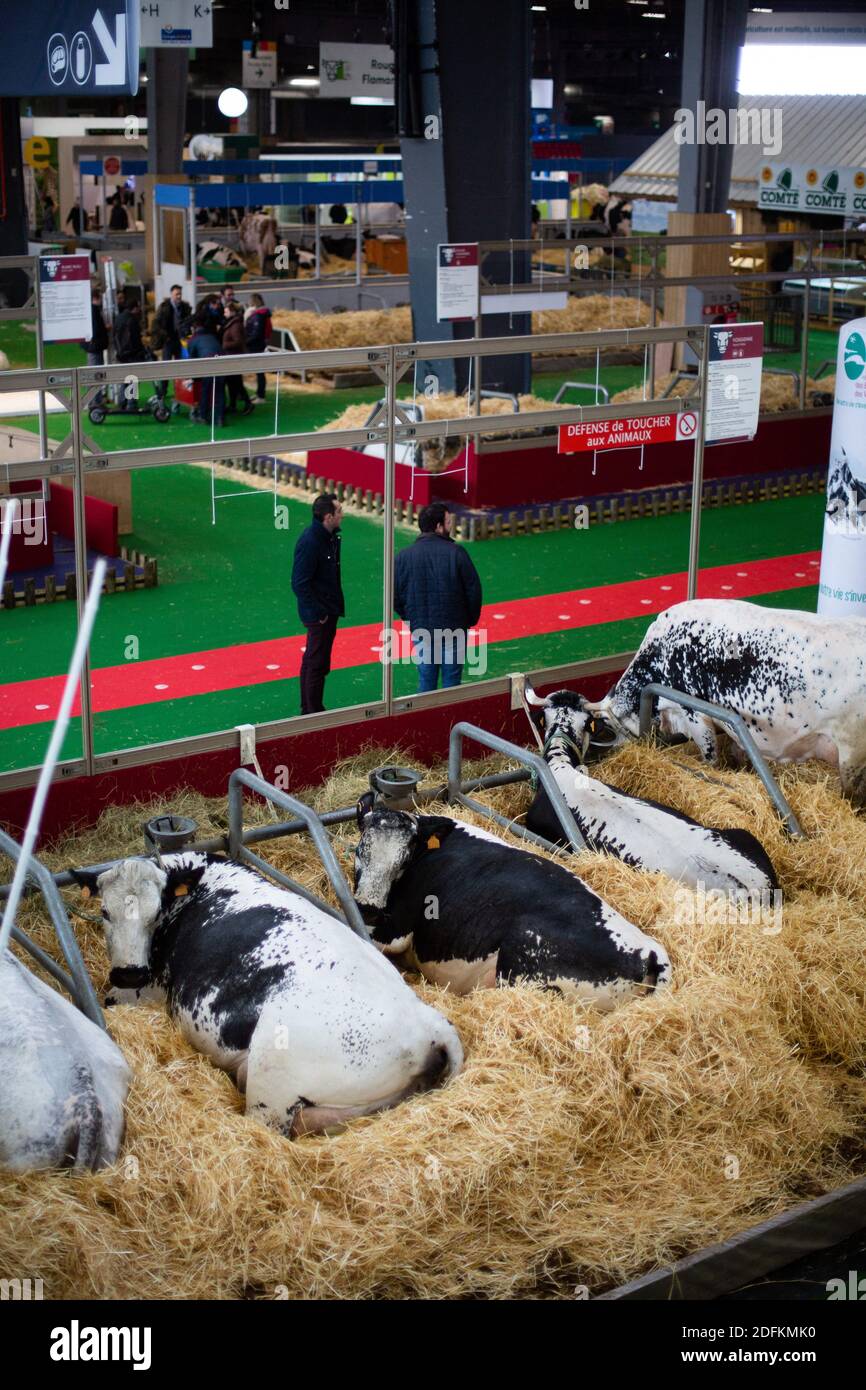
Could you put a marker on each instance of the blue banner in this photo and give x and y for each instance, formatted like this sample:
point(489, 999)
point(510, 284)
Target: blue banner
point(70, 48)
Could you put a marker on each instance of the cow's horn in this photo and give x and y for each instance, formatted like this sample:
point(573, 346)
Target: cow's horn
point(530, 696)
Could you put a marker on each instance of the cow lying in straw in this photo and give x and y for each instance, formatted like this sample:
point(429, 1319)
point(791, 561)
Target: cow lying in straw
point(643, 833)
point(314, 1026)
point(473, 910)
point(63, 1082)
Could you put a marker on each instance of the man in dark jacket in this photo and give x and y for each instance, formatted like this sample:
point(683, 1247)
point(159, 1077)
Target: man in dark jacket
point(317, 587)
point(128, 347)
point(205, 343)
point(438, 592)
point(96, 344)
point(171, 320)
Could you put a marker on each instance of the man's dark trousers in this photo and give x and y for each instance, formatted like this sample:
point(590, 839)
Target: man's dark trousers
point(316, 664)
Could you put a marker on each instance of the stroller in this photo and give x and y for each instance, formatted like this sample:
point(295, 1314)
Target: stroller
point(99, 410)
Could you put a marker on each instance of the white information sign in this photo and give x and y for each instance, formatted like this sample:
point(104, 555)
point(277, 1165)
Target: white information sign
point(842, 589)
point(734, 380)
point(457, 281)
point(259, 69)
point(64, 298)
point(176, 24)
point(356, 70)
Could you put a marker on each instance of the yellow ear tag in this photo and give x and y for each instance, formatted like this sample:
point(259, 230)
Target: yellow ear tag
point(181, 890)
point(85, 892)
point(433, 843)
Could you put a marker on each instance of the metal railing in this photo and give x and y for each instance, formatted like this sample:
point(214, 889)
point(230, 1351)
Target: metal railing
point(719, 714)
point(77, 458)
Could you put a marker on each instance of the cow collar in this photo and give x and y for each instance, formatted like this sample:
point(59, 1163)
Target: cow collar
point(560, 736)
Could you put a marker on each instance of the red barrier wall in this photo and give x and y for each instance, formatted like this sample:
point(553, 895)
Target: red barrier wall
point(520, 477)
point(309, 758)
point(100, 519)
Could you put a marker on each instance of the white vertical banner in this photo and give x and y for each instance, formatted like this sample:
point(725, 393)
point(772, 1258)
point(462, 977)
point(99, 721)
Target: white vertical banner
point(842, 589)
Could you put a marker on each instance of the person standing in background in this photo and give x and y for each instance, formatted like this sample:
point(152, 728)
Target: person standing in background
point(317, 586)
point(438, 592)
point(97, 343)
point(258, 330)
point(205, 343)
point(233, 342)
point(75, 218)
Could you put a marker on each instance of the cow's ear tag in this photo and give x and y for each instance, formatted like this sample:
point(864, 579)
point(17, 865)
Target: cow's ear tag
point(85, 892)
point(433, 842)
point(181, 890)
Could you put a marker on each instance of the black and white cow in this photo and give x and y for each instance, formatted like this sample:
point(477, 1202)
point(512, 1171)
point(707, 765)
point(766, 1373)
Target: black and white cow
point(798, 680)
point(63, 1082)
point(311, 1022)
point(471, 910)
point(643, 833)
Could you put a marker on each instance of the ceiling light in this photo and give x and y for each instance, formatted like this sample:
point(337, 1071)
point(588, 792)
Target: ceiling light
point(303, 81)
point(232, 102)
point(371, 101)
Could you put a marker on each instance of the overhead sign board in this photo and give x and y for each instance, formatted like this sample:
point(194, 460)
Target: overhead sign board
point(628, 434)
point(64, 298)
point(828, 190)
point(736, 361)
point(457, 281)
point(259, 68)
point(356, 70)
point(72, 48)
point(787, 27)
point(176, 24)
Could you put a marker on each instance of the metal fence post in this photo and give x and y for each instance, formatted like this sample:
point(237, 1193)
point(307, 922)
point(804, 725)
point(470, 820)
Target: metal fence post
point(388, 538)
point(698, 472)
point(81, 570)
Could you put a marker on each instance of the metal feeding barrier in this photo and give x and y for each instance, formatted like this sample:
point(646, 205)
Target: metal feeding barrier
point(77, 983)
point(537, 768)
point(737, 726)
point(238, 851)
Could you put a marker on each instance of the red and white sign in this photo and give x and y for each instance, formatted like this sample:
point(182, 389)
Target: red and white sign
point(64, 298)
point(628, 434)
point(111, 165)
point(736, 360)
point(457, 281)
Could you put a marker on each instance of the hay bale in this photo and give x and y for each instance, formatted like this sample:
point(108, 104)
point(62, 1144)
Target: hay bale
point(574, 1149)
point(592, 313)
point(777, 392)
point(357, 328)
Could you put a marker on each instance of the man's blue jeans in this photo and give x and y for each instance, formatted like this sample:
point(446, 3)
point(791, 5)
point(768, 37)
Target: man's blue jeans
point(428, 675)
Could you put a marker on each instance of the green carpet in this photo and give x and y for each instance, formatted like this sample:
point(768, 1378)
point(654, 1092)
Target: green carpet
point(231, 584)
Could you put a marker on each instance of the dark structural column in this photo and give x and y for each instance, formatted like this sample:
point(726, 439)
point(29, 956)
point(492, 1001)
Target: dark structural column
point(713, 35)
point(167, 72)
point(13, 211)
point(463, 117)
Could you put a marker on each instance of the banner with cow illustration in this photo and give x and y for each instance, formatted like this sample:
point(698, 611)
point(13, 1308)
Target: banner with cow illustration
point(842, 590)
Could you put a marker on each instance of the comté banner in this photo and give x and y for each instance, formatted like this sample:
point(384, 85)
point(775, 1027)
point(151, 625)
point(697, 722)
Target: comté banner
point(628, 434)
point(826, 190)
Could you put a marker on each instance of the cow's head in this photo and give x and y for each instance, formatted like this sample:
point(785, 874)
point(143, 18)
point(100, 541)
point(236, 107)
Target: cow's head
point(136, 894)
point(390, 842)
point(568, 716)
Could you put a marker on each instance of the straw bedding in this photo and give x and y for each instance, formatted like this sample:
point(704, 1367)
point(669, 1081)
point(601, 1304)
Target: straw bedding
point(380, 327)
point(575, 1149)
point(437, 454)
point(777, 392)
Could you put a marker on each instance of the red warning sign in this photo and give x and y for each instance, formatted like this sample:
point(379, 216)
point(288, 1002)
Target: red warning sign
point(627, 434)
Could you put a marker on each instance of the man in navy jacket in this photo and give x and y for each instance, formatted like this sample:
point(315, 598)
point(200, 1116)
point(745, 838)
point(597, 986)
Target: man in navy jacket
point(316, 584)
point(438, 592)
